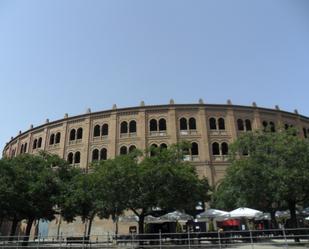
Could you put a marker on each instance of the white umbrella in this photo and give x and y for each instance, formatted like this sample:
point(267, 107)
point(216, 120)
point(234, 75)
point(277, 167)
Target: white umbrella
point(175, 216)
point(307, 218)
point(213, 214)
point(245, 213)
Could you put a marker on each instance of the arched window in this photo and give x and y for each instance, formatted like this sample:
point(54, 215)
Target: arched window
point(103, 154)
point(105, 130)
point(215, 149)
point(153, 125)
point(183, 124)
point(221, 124)
point(52, 139)
point(21, 149)
point(194, 149)
point(95, 155)
point(40, 142)
point(132, 126)
point(58, 136)
point(248, 125)
point(77, 157)
point(305, 132)
point(224, 148)
point(286, 126)
point(213, 124)
point(272, 126)
point(153, 149)
point(96, 131)
point(123, 150)
point(34, 144)
point(79, 133)
point(192, 124)
point(72, 134)
point(240, 124)
point(70, 158)
point(162, 124)
point(124, 127)
point(265, 124)
point(132, 148)
point(25, 148)
point(163, 146)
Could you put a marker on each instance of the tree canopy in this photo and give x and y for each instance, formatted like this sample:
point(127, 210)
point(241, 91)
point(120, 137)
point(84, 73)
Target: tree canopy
point(269, 171)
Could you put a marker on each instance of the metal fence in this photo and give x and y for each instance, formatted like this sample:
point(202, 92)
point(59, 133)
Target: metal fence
point(251, 239)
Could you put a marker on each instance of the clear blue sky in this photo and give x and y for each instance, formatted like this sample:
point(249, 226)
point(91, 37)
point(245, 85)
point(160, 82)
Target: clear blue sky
point(61, 56)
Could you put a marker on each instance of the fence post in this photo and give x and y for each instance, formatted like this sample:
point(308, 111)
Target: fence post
point(160, 239)
point(285, 239)
point(219, 239)
point(132, 238)
point(189, 244)
point(251, 239)
point(60, 239)
point(38, 243)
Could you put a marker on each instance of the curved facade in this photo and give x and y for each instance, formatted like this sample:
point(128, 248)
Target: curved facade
point(101, 135)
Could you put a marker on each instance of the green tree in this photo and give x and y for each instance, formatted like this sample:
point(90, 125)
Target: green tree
point(140, 184)
point(273, 173)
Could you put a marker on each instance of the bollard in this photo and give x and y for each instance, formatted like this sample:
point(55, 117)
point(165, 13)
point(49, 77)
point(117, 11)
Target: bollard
point(251, 239)
point(219, 239)
point(285, 239)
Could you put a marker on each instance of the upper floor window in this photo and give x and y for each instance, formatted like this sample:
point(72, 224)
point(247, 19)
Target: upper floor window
point(162, 124)
point(183, 124)
point(52, 139)
point(244, 125)
point(104, 129)
point(96, 131)
point(99, 155)
point(40, 142)
point(269, 126)
point(58, 137)
point(187, 125)
point(216, 124)
point(79, 133)
point(124, 127)
point(155, 126)
point(220, 149)
point(35, 142)
point(72, 134)
point(192, 124)
point(132, 126)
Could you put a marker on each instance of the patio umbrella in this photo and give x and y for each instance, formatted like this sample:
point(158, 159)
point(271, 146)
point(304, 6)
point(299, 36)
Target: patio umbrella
point(175, 216)
point(213, 214)
point(245, 213)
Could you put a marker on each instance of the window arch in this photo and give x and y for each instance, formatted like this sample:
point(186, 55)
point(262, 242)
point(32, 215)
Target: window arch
point(104, 129)
point(103, 154)
point(96, 131)
point(194, 149)
point(77, 157)
point(124, 127)
point(305, 132)
point(153, 125)
point(183, 124)
point(70, 158)
point(123, 150)
point(25, 147)
point(153, 149)
point(221, 124)
point(21, 149)
point(34, 146)
point(162, 124)
point(215, 149)
point(58, 137)
point(132, 126)
point(40, 142)
point(240, 124)
point(272, 126)
point(213, 124)
point(52, 139)
point(79, 133)
point(265, 124)
point(224, 148)
point(248, 125)
point(132, 148)
point(72, 134)
point(192, 124)
point(163, 146)
point(95, 155)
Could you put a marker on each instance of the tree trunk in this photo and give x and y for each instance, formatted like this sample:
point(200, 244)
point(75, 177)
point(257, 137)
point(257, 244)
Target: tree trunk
point(90, 224)
point(116, 226)
point(13, 228)
point(294, 223)
point(141, 224)
point(274, 223)
point(28, 230)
